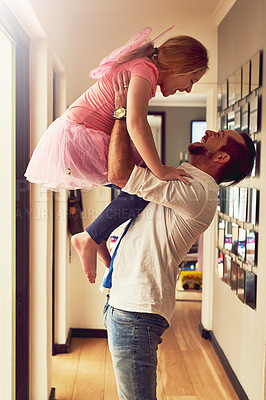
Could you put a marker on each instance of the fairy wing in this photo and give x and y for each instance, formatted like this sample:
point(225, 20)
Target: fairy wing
point(112, 58)
point(162, 34)
point(131, 45)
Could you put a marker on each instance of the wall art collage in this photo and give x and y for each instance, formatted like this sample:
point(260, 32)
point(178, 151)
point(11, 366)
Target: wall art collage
point(239, 108)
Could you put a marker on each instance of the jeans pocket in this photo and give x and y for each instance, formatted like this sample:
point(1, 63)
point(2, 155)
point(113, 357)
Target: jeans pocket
point(123, 317)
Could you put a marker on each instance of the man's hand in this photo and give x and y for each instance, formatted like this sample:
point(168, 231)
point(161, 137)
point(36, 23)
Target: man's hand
point(120, 85)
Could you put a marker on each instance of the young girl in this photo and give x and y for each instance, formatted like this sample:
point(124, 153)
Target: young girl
point(73, 151)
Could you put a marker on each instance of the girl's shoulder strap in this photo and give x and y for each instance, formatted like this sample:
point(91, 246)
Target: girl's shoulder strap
point(135, 42)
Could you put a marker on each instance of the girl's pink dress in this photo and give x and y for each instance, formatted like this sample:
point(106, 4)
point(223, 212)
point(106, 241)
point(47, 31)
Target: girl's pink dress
point(72, 153)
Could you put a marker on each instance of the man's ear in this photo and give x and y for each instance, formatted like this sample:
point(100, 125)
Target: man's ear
point(221, 157)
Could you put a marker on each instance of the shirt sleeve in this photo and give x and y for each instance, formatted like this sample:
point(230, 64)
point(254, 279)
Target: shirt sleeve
point(147, 70)
point(184, 199)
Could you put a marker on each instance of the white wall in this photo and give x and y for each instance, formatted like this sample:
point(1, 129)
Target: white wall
point(240, 330)
point(86, 302)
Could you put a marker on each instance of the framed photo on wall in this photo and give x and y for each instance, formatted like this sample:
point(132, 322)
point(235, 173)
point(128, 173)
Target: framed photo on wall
point(255, 76)
point(246, 79)
point(251, 247)
point(245, 118)
point(233, 277)
point(241, 247)
point(231, 120)
point(241, 283)
point(234, 87)
point(254, 115)
point(250, 289)
point(227, 268)
point(219, 98)
point(224, 95)
point(238, 119)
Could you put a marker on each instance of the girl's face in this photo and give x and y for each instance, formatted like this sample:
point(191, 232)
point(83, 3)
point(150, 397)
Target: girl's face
point(171, 83)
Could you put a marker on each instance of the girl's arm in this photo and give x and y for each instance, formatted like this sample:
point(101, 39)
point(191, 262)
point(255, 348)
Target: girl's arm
point(140, 131)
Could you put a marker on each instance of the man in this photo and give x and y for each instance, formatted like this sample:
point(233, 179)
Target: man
point(145, 267)
point(144, 270)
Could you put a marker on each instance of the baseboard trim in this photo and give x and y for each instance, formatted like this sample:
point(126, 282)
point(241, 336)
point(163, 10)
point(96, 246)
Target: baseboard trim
point(78, 333)
point(208, 335)
point(52, 394)
point(89, 333)
point(205, 334)
point(65, 347)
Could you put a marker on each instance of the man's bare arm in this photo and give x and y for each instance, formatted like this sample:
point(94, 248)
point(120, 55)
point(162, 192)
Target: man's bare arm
point(120, 157)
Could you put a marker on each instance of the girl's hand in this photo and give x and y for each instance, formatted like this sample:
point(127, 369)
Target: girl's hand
point(171, 173)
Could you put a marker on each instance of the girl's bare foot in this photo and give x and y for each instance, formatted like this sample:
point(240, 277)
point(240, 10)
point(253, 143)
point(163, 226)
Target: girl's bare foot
point(87, 251)
point(103, 254)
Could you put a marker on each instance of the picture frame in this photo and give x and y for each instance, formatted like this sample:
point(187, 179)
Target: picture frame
point(250, 289)
point(254, 169)
point(220, 264)
point(222, 199)
point(253, 206)
point(234, 87)
point(221, 232)
point(236, 202)
point(254, 115)
point(241, 283)
point(243, 201)
point(245, 79)
point(256, 73)
point(231, 120)
point(224, 88)
point(228, 236)
point(241, 246)
point(233, 275)
point(235, 237)
point(227, 268)
point(224, 121)
point(219, 98)
point(251, 248)
point(238, 119)
point(245, 118)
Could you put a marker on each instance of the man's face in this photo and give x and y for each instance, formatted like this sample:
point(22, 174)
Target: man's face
point(213, 141)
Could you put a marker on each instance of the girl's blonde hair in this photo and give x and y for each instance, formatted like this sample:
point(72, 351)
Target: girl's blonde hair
point(180, 53)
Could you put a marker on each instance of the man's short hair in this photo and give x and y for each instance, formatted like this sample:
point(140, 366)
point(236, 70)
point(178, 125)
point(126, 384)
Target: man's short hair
point(241, 160)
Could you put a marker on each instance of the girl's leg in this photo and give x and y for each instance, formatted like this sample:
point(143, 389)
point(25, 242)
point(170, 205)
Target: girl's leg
point(121, 209)
point(93, 240)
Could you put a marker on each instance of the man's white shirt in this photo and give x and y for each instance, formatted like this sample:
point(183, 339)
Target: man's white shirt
point(147, 260)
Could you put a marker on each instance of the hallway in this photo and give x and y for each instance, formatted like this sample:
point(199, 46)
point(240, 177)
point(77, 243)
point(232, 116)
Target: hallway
point(188, 367)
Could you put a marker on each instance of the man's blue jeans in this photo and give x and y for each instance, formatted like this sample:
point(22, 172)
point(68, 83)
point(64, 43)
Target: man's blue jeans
point(133, 340)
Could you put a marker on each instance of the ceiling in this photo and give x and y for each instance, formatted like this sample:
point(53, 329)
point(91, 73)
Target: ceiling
point(157, 11)
point(109, 14)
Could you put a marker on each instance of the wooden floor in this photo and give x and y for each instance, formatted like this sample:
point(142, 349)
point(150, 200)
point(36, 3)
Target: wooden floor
point(188, 367)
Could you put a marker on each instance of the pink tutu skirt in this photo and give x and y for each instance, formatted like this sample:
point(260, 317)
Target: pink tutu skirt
point(71, 156)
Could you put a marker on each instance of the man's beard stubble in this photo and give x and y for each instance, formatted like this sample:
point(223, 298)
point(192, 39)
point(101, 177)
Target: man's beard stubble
point(197, 149)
